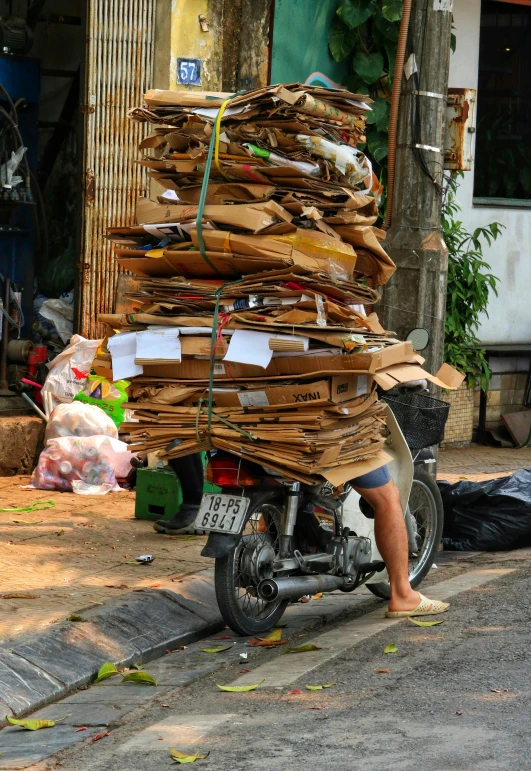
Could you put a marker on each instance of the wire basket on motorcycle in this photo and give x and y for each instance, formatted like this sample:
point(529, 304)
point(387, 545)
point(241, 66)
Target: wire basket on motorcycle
point(421, 418)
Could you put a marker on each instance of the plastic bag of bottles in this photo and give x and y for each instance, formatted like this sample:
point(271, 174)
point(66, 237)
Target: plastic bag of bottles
point(78, 419)
point(86, 464)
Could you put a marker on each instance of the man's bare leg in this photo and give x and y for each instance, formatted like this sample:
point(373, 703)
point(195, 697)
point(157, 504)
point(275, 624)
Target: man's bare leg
point(391, 539)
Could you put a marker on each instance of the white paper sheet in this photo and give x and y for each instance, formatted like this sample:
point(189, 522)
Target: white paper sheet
point(162, 344)
point(249, 347)
point(122, 348)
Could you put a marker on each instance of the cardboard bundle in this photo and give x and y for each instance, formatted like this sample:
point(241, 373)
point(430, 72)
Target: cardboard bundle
point(250, 333)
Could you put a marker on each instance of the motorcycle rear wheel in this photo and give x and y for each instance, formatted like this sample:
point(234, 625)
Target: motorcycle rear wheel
point(426, 507)
point(239, 572)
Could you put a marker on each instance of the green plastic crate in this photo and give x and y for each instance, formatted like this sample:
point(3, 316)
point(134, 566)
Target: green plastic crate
point(158, 493)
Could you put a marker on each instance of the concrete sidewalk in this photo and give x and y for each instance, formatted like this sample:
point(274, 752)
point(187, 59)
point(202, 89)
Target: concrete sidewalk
point(77, 555)
point(79, 558)
point(478, 463)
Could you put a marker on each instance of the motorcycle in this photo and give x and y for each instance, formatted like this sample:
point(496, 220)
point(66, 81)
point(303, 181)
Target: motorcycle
point(275, 540)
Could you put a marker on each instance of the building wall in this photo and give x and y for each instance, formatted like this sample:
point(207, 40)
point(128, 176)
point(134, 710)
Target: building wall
point(509, 320)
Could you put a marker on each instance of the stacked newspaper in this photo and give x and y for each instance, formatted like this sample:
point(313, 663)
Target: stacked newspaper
point(250, 326)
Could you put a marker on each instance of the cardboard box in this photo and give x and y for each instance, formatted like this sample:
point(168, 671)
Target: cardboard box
point(356, 363)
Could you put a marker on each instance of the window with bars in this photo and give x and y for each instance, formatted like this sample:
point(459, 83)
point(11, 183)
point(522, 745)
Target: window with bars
point(502, 169)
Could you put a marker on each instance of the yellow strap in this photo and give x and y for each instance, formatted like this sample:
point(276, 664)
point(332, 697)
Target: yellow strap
point(218, 132)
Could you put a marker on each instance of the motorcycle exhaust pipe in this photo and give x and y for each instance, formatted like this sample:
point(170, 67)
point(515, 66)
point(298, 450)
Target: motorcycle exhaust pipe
point(293, 587)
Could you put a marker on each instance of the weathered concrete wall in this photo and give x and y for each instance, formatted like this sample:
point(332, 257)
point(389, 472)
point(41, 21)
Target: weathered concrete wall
point(509, 319)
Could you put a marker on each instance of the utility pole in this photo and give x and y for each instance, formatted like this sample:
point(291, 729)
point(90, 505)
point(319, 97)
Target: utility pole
point(416, 294)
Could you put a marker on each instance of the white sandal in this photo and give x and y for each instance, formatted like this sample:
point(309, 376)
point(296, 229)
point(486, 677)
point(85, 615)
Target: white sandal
point(425, 607)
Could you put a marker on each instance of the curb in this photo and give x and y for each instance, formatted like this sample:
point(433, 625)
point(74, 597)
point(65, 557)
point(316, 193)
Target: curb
point(38, 670)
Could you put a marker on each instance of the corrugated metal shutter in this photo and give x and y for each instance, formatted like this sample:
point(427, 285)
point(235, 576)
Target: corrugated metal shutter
point(118, 70)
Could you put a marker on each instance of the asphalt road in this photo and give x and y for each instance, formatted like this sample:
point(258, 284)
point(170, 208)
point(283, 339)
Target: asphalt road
point(456, 696)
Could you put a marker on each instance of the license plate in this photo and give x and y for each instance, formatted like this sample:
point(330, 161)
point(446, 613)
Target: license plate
point(222, 513)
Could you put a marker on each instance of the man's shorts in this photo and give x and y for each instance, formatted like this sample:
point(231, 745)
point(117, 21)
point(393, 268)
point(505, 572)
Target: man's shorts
point(377, 478)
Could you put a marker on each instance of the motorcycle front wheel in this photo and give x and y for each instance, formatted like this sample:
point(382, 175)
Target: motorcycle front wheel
point(426, 508)
point(238, 574)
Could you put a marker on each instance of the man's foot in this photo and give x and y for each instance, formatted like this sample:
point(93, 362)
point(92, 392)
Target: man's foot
point(182, 520)
point(425, 607)
point(407, 602)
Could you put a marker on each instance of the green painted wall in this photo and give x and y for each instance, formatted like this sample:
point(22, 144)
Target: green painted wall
point(300, 43)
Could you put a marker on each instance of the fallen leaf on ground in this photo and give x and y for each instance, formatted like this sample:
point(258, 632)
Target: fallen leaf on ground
point(319, 687)
point(100, 736)
point(273, 639)
point(506, 690)
point(106, 670)
point(391, 648)
point(459, 714)
point(216, 650)
point(74, 617)
point(33, 725)
point(21, 596)
point(295, 692)
point(139, 677)
point(317, 596)
point(113, 586)
point(382, 671)
point(243, 671)
point(315, 707)
point(238, 688)
point(182, 757)
point(223, 637)
point(166, 705)
point(27, 521)
point(302, 649)
point(424, 623)
point(81, 728)
point(495, 690)
point(304, 599)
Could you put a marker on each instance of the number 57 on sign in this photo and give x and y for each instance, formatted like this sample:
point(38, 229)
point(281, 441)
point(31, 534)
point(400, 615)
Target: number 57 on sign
point(189, 72)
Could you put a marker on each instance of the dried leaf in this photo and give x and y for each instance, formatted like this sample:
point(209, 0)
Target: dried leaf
point(33, 725)
point(223, 637)
point(106, 670)
point(216, 650)
point(317, 596)
point(273, 636)
point(139, 677)
point(73, 617)
point(100, 736)
point(294, 692)
point(458, 714)
point(382, 671)
point(243, 671)
point(21, 596)
point(273, 639)
point(319, 687)
point(391, 648)
point(238, 688)
point(81, 728)
point(302, 649)
point(182, 757)
point(495, 690)
point(424, 623)
point(27, 521)
point(315, 707)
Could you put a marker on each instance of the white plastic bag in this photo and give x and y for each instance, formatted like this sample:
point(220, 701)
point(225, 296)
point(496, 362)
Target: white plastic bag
point(79, 419)
point(68, 371)
point(61, 314)
point(94, 461)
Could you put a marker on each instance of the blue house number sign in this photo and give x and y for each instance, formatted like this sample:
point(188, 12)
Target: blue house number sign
point(189, 72)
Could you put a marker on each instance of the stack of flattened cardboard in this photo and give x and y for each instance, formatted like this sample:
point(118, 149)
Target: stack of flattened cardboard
point(249, 330)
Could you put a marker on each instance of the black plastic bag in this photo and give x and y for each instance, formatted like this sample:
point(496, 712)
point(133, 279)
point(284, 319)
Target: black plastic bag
point(488, 516)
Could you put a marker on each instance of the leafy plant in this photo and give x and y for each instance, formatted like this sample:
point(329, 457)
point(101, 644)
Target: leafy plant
point(469, 286)
point(367, 31)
